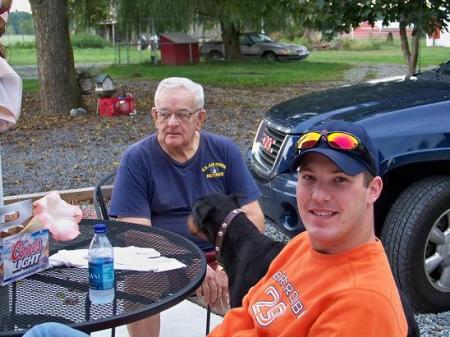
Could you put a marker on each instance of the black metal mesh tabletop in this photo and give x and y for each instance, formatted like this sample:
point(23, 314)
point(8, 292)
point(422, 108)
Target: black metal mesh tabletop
point(61, 294)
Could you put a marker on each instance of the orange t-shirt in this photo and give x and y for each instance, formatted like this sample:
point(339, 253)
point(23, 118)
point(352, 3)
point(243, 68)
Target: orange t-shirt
point(305, 293)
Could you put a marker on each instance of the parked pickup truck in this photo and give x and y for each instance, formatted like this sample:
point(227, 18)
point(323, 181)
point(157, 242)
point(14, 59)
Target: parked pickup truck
point(257, 45)
point(409, 121)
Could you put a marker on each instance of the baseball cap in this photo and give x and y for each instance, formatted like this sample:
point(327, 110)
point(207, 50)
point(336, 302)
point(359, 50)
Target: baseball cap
point(351, 162)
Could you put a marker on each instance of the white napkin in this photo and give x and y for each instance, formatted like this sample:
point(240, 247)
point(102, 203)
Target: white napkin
point(125, 258)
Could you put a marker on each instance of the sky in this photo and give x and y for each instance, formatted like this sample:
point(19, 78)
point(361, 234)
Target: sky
point(21, 5)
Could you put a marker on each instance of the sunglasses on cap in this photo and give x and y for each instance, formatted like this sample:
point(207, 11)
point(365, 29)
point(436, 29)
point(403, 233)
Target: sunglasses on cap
point(338, 140)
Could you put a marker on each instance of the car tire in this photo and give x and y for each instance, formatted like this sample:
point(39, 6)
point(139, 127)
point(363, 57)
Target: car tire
point(270, 56)
point(215, 55)
point(416, 236)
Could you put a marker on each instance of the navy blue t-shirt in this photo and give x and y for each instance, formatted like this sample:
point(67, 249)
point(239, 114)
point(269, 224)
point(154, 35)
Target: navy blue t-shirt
point(150, 184)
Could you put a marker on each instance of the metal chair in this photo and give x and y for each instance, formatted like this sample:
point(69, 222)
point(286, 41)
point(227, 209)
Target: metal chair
point(102, 199)
point(102, 196)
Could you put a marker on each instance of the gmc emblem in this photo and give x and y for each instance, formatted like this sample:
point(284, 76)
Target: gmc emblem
point(267, 143)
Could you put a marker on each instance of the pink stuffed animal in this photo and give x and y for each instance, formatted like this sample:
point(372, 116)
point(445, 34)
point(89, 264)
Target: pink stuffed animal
point(58, 216)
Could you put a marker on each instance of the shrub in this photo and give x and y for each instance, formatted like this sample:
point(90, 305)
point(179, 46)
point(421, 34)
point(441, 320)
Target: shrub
point(23, 45)
point(361, 44)
point(84, 40)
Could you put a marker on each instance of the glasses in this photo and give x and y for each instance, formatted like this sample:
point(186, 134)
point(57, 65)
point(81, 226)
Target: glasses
point(180, 115)
point(338, 140)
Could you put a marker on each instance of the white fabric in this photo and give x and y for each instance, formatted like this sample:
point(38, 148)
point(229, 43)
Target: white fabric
point(125, 258)
point(10, 95)
point(4, 16)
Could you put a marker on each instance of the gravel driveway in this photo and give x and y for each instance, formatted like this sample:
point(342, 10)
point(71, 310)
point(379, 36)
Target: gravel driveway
point(44, 153)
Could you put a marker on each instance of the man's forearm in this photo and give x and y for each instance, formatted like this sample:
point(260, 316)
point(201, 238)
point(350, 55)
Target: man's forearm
point(139, 221)
point(255, 214)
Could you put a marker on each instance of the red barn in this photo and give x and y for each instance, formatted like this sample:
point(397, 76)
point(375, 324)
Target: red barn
point(365, 30)
point(178, 49)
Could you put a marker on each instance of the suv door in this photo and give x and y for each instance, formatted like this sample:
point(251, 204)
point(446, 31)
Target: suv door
point(248, 46)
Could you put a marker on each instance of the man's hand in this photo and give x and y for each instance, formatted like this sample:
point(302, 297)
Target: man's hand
point(214, 289)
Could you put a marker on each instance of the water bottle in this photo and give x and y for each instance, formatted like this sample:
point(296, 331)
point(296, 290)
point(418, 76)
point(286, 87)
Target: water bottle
point(101, 267)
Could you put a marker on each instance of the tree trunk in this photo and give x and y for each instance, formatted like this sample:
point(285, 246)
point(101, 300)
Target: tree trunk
point(230, 37)
point(410, 56)
point(59, 88)
point(412, 65)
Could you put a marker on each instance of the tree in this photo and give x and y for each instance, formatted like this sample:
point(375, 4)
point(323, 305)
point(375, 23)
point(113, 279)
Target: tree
point(231, 15)
point(87, 13)
point(423, 16)
point(339, 16)
point(235, 16)
point(26, 27)
point(20, 23)
point(59, 89)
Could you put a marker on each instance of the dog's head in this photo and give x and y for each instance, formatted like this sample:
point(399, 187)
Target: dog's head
point(208, 214)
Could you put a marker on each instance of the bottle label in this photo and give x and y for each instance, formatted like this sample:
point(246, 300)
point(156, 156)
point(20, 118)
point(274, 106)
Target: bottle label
point(101, 273)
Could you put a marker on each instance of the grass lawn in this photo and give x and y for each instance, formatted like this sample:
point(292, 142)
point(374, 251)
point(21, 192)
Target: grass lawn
point(256, 73)
point(365, 51)
point(17, 56)
point(327, 65)
point(428, 56)
point(30, 85)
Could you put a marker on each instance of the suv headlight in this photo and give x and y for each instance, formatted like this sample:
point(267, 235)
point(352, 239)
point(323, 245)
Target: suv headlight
point(256, 141)
point(284, 51)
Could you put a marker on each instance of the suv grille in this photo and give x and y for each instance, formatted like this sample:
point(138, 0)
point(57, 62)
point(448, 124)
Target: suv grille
point(269, 142)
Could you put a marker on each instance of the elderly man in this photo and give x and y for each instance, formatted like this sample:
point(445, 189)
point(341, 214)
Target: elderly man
point(334, 279)
point(161, 176)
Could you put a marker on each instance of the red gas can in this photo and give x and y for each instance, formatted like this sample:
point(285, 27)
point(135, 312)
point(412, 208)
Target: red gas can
point(116, 106)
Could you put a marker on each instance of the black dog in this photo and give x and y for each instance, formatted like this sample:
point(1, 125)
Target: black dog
point(246, 253)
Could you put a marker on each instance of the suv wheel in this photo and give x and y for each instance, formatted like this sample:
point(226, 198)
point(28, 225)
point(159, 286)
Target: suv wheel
point(270, 56)
point(416, 236)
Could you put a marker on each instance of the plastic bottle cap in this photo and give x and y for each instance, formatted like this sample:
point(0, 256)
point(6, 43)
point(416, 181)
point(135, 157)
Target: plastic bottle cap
point(100, 228)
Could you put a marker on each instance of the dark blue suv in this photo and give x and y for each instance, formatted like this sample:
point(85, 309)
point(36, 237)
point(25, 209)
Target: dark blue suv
point(410, 123)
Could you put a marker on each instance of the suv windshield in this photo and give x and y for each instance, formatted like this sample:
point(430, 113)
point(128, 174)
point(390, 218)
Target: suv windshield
point(260, 38)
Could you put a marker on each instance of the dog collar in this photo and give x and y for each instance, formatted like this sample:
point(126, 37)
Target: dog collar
point(223, 229)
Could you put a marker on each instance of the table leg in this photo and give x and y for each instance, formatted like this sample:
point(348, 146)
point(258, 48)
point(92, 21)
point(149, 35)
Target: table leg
point(4, 298)
point(208, 319)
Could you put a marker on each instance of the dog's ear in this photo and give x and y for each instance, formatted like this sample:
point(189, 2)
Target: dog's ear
point(202, 214)
point(200, 211)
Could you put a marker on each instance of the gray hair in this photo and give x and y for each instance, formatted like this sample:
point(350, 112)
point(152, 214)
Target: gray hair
point(177, 82)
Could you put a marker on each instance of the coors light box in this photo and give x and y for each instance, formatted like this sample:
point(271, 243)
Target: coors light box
point(24, 244)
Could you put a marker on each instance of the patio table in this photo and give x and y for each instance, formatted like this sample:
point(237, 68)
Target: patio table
point(62, 294)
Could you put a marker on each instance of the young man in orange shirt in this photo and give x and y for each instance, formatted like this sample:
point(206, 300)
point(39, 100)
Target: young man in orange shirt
point(334, 279)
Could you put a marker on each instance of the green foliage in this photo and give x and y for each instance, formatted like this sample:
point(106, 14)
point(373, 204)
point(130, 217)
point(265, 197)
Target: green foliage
point(26, 27)
point(23, 45)
point(30, 85)
point(231, 15)
point(388, 54)
point(84, 41)
point(160, 15)
point(334, 16)
point(20, 23)
point(357, 44)
point(87, 13)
